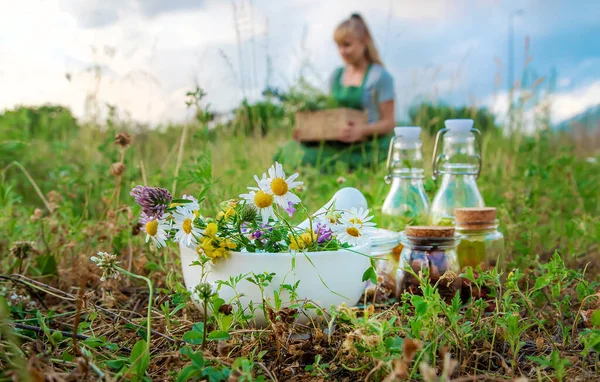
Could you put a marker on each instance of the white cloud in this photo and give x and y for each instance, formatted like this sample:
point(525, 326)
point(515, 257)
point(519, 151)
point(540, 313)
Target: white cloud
point(562, 105)
point(141, 57)
point(152, 51)
point(568, 104)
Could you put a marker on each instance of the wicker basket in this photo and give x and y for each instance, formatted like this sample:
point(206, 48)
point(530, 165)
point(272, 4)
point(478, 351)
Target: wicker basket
point(325, 125)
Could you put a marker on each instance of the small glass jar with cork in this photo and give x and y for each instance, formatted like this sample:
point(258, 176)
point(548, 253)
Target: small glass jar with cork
point(433, 249)
point(482, 245)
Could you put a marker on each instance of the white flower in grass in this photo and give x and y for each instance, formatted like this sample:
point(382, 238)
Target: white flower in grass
point(192, 205)
point(280, 187)
point(107, 262)
point(187, 232)
point(354, 227)
point(156, 229)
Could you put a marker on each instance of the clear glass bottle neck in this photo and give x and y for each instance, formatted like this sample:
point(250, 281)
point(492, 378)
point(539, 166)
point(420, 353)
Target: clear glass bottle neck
point(459, 154)
point(458, 172)
point(407, 175)
point(406, 160)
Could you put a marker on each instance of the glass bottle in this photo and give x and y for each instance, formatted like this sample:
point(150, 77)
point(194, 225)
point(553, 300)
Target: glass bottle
point(481, 245)
point(433, 249)
point(385, 248)
point(459, 165)
point(406, 203)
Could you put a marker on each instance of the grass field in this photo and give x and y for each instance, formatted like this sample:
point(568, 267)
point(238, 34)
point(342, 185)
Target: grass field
point(61, 204)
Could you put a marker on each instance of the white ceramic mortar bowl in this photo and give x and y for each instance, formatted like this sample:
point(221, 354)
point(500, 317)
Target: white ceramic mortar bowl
point(332, 271)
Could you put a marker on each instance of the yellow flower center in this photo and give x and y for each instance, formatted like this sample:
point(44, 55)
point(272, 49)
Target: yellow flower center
point(279, 187)
point(152, 227)
point(262, 199)
point(352, 231)
point(355, 221)
point(187, 226)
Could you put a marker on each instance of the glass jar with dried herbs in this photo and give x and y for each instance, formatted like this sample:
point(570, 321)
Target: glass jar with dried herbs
point(432, 249)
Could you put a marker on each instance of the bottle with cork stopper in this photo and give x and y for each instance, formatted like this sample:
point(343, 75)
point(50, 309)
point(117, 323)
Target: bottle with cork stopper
point(481, 245)
point(430, 249)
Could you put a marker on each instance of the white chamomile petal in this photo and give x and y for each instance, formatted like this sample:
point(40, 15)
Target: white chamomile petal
point(291, 183)
point(280, 187)
point(263, 183)
point(192, 205)
point(359, 217)
point(351, 231)
point(187, 233)
point(157, 231)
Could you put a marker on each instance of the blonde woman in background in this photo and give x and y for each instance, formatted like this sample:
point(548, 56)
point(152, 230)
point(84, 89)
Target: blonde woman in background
point(363, 84)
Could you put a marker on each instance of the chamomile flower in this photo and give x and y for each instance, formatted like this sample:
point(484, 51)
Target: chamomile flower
point(156, 229)
point(187, 233)
point(280, 187)
point(192, 205)
point(353, 226)
point(262, 202)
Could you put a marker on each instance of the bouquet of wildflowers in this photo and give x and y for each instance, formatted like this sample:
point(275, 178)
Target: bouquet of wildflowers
point(257, 221)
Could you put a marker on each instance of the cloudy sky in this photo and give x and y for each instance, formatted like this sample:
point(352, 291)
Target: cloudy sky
point(143, 55)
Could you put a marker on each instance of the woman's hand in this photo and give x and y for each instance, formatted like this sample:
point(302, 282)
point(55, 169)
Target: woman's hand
point(352, 132)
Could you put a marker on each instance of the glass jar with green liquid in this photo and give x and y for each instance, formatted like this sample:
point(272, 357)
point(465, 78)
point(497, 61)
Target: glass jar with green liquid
point(482, 245)
point(406, 203)
point(459, 166)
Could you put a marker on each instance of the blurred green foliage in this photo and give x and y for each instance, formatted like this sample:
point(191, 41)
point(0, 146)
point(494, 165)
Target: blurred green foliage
point(431, 116)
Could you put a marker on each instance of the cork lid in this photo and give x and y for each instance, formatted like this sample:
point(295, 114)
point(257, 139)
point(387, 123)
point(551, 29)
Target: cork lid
point(475, 215)
point(429, 231)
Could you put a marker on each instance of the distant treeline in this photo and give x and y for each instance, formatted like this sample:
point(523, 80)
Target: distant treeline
point(275, 113)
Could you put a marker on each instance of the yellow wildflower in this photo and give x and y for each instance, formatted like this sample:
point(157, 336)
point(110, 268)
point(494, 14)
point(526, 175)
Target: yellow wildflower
point(227, 244)
point(229, 212)
point(302, 241)
point(204, 247)
point(219, 252)
point(211, 230)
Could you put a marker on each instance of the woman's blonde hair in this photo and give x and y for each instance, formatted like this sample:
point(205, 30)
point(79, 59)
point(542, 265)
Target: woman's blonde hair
point(357, 26)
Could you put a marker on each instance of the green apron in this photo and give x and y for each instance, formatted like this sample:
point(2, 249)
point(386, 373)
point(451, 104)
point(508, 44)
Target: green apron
point(348, 96)
point(325, 155)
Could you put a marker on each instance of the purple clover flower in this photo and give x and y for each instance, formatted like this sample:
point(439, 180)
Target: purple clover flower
point(256, 234)
point(244, 228)
point(153, 200)
point(324, 233)
point(290, 209)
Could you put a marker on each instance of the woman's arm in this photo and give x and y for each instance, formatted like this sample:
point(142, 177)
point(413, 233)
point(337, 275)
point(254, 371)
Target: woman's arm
point(383, 97)
point(386, 122)
point(356, 132)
